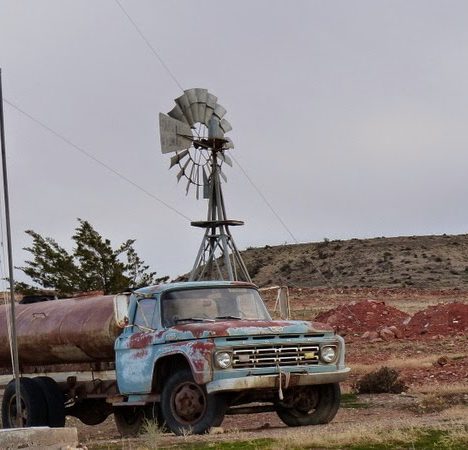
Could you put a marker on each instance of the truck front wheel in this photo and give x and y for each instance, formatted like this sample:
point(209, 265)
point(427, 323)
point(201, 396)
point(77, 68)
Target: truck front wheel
point(309, 405)
point(187, 407)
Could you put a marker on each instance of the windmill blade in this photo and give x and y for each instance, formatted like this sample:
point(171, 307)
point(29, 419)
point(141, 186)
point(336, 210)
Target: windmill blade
point(193, 101)
point(202, 112)
point(202, 96)
point(211, 101)
point(223, 176)
point(177, 113)
point(197, 98)
point(179, 157)
point(184, 104)
point(174, 134)
point(189, 182)
point(214, 130)
point(219, 112)
point(210, 107)
point(226, 159)
point(225, 125)
point(228, 144)
point(182, 170)
point(208, 114)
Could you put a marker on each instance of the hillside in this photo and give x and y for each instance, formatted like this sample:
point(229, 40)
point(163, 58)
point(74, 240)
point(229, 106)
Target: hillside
point(431, 262)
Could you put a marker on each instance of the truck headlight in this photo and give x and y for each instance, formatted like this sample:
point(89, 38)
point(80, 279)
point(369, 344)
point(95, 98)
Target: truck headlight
point(328, 354)
point(223, 360)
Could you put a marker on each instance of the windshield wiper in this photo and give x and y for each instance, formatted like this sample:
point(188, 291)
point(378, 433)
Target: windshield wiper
point(194, 319)
point(229, 317)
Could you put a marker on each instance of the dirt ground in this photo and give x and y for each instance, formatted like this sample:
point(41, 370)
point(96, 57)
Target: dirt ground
point(383, 411)
point(428, 345)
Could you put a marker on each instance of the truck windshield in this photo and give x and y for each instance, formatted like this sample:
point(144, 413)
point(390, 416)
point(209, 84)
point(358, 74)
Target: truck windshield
point(212, 304)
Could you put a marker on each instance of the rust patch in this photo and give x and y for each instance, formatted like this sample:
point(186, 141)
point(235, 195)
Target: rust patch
point(140, 354)
point(140, 340)
point(223, 327)
point(200, 355)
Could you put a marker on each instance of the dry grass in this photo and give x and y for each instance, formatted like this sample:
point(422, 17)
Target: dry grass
point(441, 398)
point(405, 434)
point(407, 363)
point(354, 434)
point(151, 436)
point(455, 413)
point(413, 306)
point(410, 363)
point(442, 389)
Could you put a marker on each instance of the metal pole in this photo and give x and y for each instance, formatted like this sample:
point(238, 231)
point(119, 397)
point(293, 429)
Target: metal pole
point(14, 341)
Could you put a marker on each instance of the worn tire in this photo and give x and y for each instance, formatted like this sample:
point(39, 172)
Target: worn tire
point(129, 420)
point(186, 406)
point(54, 399)
point(325, 409)
point(33, 403)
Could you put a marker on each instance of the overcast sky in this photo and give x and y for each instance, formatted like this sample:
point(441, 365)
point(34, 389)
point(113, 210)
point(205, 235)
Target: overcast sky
point(350, 117)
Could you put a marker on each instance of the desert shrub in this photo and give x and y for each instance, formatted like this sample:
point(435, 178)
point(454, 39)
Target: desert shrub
point(383, 380)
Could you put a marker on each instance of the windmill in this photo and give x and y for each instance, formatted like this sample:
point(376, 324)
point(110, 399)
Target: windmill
point(194, 131)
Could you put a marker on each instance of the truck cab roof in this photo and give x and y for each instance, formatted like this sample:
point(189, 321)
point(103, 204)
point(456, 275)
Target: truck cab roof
point(160, 288)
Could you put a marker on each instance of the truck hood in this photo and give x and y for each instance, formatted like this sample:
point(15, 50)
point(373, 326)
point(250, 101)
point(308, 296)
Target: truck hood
point(224, 328)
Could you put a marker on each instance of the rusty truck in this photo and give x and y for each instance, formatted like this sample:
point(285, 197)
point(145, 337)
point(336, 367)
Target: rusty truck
point(182, 354)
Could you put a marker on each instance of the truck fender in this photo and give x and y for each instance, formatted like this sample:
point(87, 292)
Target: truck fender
point(197, 355)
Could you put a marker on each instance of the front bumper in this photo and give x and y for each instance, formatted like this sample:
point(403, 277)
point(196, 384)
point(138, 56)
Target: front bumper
point(273, 381)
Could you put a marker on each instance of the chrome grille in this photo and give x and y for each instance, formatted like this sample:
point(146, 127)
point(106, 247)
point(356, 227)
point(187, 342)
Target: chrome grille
point(276, 355)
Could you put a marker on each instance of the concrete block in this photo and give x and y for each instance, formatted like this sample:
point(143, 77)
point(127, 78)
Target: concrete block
point(38, 438)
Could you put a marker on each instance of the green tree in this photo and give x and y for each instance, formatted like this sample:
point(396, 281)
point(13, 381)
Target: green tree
point(93, 265)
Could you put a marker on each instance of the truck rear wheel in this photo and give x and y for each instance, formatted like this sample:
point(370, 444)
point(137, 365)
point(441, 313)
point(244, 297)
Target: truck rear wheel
point(33, 405)
point(309, 405)
point(54, 399)
point(187, 407)
point(129, 420)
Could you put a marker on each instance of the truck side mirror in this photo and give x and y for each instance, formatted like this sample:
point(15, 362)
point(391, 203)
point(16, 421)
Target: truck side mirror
point(121, 310)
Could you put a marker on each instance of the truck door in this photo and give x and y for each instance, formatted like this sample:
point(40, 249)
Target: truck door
point(134, 348)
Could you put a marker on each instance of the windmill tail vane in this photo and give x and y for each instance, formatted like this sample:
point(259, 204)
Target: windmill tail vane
point(194, 132)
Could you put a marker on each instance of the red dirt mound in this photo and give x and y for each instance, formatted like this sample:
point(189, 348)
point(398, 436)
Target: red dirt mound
point(359, 317)
point(444, 319)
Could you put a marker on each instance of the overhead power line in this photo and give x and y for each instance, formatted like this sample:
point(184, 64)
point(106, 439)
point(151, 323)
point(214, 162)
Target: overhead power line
point(259, 192)
point(93, 158)
point(148, 43)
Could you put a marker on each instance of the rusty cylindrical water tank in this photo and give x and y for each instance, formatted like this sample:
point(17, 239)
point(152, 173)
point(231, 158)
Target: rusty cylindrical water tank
point(71, 330)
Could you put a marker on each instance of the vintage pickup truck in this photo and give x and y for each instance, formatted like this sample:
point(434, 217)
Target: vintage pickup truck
point(184, 354)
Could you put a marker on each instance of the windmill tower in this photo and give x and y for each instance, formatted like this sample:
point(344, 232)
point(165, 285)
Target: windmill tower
point(194, 130)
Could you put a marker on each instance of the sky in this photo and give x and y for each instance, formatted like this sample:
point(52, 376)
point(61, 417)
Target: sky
point(350, 118)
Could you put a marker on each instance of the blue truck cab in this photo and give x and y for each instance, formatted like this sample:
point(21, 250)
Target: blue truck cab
point(192, 352)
